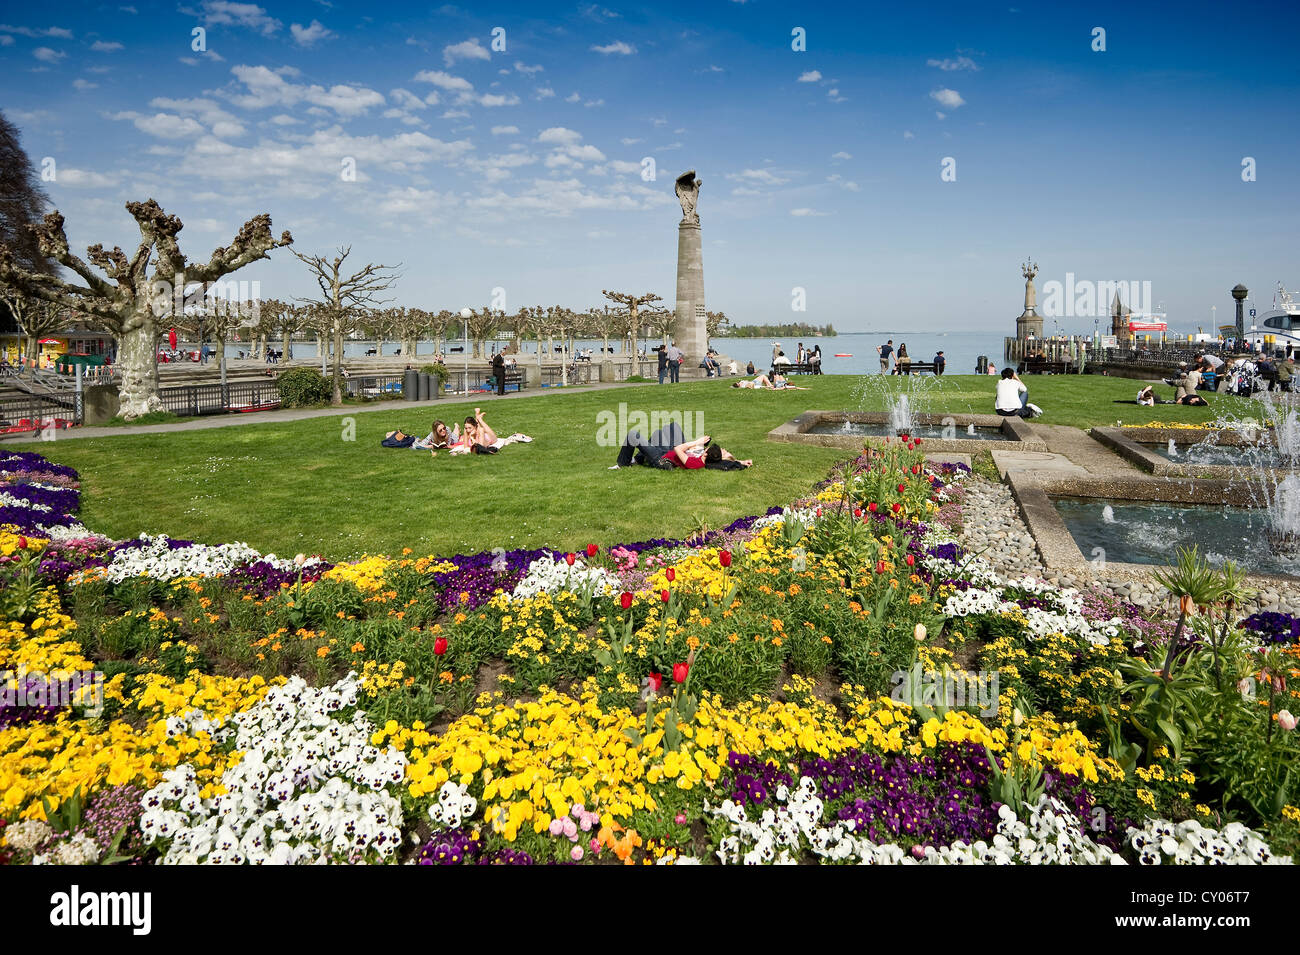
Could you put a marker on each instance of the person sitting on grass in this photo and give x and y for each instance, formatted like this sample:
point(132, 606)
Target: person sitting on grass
point(1012, 397)
point(668, 448)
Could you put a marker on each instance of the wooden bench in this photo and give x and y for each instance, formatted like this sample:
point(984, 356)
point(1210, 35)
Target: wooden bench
point(795, 368)
point(918, 367)
point(1030, 367)
point(514, 376)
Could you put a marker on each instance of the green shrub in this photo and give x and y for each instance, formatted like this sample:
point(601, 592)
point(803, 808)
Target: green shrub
point(303, 388)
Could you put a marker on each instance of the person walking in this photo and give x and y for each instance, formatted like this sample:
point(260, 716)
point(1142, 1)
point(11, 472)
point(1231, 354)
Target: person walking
point(499, 372)
point(662, 351)
point(674, 363)
point(884, 351)
point(815, 359)
point(939, 363)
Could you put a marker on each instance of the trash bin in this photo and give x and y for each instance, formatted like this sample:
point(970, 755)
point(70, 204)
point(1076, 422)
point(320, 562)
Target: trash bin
point(426, 380)
point(411, 384)
point(982, 365)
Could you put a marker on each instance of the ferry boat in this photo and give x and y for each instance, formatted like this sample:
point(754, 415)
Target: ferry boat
point(1280, 325)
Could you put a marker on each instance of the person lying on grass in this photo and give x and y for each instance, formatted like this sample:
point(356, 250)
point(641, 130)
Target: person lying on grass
point(763, 383)
point(438, 437)
point(668, 448)
point(479, 438)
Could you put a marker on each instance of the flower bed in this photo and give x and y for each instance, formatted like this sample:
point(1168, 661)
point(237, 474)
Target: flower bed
point(777, 690)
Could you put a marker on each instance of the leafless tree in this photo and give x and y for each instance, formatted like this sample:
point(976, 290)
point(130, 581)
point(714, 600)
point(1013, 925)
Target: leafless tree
point(127, 300)
point(634, 316)
point(36, 318)
point(346, 298)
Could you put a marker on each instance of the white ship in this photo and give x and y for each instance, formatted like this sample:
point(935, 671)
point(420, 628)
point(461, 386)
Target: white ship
point(1280, 325)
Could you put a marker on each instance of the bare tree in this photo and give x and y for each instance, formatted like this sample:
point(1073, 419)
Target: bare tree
point(713, 322)
point(407, 325)
point(126, 299)
point(345, 301)
point(482, 323)
point(633, 304)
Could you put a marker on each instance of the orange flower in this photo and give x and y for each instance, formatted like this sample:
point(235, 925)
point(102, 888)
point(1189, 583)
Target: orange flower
point(446, 676)
point(322, 652)
point(358, 647)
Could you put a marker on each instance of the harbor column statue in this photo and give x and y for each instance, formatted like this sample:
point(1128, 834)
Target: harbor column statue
point(691, 333)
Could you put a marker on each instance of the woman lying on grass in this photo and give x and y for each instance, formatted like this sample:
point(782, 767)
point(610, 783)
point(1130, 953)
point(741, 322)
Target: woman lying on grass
point(479, 438)
point(762, 383)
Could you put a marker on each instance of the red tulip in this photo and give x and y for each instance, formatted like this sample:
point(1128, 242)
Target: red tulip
point(916, 469)
point(819, 512)
point(626, 600)
point(22, 543)
point(679, 672)
point(663, 595)
point(857, 512)
point(570, 558)
point(917, 442)
point(724, 558)
point(911, 560)
point(872, 507)
point(655, 681)
point(592, 550)
point(901, 489)
point(439, 646)
point(880, 566)
point(671, 574)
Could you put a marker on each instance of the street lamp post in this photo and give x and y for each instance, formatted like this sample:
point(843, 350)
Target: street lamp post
point(465, 314)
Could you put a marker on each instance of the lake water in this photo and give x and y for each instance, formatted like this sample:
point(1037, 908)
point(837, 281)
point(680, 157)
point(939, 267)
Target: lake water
point(960, 349)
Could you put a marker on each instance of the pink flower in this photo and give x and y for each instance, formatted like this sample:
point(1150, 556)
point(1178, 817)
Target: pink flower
point(570, 829)
point(557, 826)
point(680, 819)
point(576, 853)
point(1285, 720)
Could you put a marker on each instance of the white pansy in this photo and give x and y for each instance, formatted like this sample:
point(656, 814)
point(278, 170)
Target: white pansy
point(309, 787)
point(548, 575)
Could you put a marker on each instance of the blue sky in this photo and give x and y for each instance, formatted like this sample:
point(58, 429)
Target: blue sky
point(522, 169)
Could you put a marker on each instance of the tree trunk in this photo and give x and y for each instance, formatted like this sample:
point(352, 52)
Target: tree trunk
point(284, 345)
point(410, 345)
point(135, 367)
point(338, 366)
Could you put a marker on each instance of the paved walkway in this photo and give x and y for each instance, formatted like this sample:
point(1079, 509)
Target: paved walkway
point(302, 414)
point(1070, 452)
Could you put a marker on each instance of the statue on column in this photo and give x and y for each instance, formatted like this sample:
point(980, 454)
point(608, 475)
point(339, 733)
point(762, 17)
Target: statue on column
point(1029, 270)
point(688, 194)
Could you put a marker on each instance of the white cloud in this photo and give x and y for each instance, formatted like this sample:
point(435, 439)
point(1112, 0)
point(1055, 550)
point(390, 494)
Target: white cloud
point(843, 183)
point(267, 87)
point(812, 76)
point(950, 99)
point(807, 212)
point(80, 84)
point(504, 130)
point(763, 177)
point(406, 99)
point(841, 155)
point(284, 119)
point(908, 134)
point(163, 125)
point(228, 13)
point(521, 67)
point(834, 96)
point(105, 46)
point(470, 49)
point(6, 40)
point(47, 55)
point(628, 141)
point(444, 81)
point(223, 124)
point(78, 178)
point(59, 32)
point(559, 136)
point(950, 65)
point(618, 47)
point(545, 92)
point(594, 102)
point(311, 34)
point(574, 97)
point(939, 115)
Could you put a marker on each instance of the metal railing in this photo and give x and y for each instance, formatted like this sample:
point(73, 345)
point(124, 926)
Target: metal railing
point(22, 413)
point(194, 400)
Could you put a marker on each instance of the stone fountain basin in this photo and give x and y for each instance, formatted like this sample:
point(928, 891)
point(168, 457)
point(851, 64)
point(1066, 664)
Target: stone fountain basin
point(1136, 445)
point(1015, 431)
point(1035, 492)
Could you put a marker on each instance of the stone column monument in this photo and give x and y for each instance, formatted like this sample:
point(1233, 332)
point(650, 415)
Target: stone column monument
point(692, 335)
point(1029, 323)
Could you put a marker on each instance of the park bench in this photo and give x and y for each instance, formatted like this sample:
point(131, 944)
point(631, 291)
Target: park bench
point(920, 367)
point(1034, 367)
point(796, 368)
point(514, 378)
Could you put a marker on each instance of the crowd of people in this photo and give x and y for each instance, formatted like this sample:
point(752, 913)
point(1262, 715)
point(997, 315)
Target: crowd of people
point(903, 361)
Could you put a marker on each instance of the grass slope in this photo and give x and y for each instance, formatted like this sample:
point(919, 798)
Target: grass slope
point(301, 486)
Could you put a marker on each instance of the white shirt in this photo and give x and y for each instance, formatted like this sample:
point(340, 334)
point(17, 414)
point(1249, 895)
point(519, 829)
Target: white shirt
point(1009, 392)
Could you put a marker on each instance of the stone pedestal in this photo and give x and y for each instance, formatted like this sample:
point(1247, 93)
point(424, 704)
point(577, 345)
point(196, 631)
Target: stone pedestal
point(692, 335)
point(100, 404)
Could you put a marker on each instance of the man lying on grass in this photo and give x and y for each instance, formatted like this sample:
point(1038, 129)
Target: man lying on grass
point(668, 448)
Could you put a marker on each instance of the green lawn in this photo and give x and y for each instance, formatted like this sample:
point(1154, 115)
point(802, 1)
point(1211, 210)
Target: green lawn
point(299, 486)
